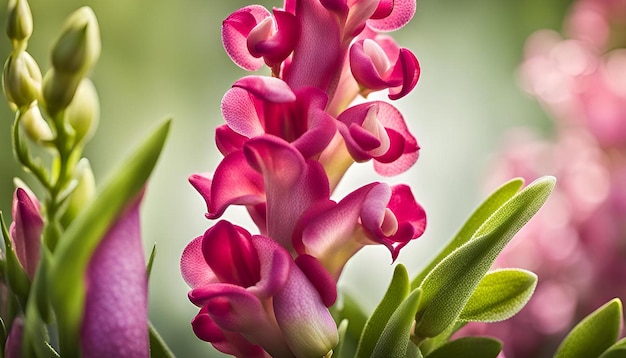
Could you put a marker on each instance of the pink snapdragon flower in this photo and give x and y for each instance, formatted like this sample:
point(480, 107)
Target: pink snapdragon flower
point(287, 141)
point(252, 296)
point(25, 230)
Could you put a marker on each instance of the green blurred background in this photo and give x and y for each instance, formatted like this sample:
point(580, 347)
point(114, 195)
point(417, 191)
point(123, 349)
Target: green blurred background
point(164, 59)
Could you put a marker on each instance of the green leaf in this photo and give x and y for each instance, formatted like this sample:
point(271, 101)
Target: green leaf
point(158, 347)
point(394, 340)
point(448, 287)
point(151, 260)
point(347, 309)
point(478, 217)
point(67, 286)
point(500, 295)
point(395, 295)
point(618, 350)
point(594, 334)
point(468, 347)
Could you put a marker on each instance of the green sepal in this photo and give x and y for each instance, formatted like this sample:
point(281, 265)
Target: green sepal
point(158, 347)
point(395, 339)
point(448, 287)
point(16, 277)
point(397, 291)
point(151, 260)
point(341, 349)
point(618, 350)
point(499, 295)
point(594, 334)
point(35, 341)
point(468, 347)
point(67, 286)
point(347, 309)
point(478, 217)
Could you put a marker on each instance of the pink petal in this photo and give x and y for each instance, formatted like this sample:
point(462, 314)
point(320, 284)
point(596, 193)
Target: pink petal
point(227, 140)
point(323, 282)
point(392, 14)
point(310, 65)
point(240, 113)
point(13, 344)
point(235, 30)
point(275, 48)
point(408, 68)
point(193, 266)
point(292, 184)
point(267, 88)
point(115, 321)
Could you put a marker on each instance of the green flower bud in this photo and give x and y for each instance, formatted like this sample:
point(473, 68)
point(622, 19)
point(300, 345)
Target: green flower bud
point(83, 113)
point(35, 125)
point(82, 194)
point(21, 79)
point(19, 23)
point(78, 47)
point(58, 90)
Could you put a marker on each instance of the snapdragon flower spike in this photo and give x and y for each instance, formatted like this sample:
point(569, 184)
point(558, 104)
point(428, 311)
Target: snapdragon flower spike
point(378, 63)
point(252, 37)
point(377, 130)
point(115, 320)
point(253, 295)
point(373, 214)
point(257, 105)
point(25, 230)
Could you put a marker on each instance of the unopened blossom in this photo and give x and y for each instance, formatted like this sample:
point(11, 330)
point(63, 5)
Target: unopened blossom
point(25, 230)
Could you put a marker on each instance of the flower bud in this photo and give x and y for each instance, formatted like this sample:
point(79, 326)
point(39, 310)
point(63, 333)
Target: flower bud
point(21, 79)
point(78, 47)
point(82, 194)
point(58, 90)
point(35, 125)
point(83, 113)
point(19, 23)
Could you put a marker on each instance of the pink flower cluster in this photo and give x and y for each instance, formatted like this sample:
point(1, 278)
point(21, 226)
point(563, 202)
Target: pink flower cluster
point(577, 246)
point(288, 140)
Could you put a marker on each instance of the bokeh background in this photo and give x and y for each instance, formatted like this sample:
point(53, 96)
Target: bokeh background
point(164, 59)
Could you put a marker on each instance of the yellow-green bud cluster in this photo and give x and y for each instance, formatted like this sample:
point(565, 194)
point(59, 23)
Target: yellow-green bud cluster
point(73, 55)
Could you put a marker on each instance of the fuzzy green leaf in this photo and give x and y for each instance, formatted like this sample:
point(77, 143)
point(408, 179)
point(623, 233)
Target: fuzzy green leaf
point(395, 295)
point(448, 287)
point(478, 217)
point(594, 334)
point(500, 295)
point(394, 340)
point(468, 347)
point(618, 350)
point(67, 286)
point(158, 347)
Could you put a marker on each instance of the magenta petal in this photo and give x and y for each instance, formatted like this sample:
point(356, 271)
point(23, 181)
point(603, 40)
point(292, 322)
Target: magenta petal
point(292, 184)
point(227, 140)
point(275, 263)
point(26, 230)
point(13, 344)
point(279, 46)
point(323, 282)
point(234, 183)
point(304, 320)
point(364, 69)
point(194, 267)
point(402, 12)
point(267, 88)
point(408, 68)
point(310, 66)
point(235, 30)
point(115, 320)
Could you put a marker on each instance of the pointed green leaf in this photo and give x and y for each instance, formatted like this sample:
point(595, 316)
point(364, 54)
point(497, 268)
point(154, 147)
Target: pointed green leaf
point(468, 347)
point(67, 286)
point(618, 350)
point(594, 334)
point(395, 340)
point(478, 217)
point(339, 350)
point(500, 295)
point(151, 260)
point(448, 287)
point(397, 291)
point(158, 347)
